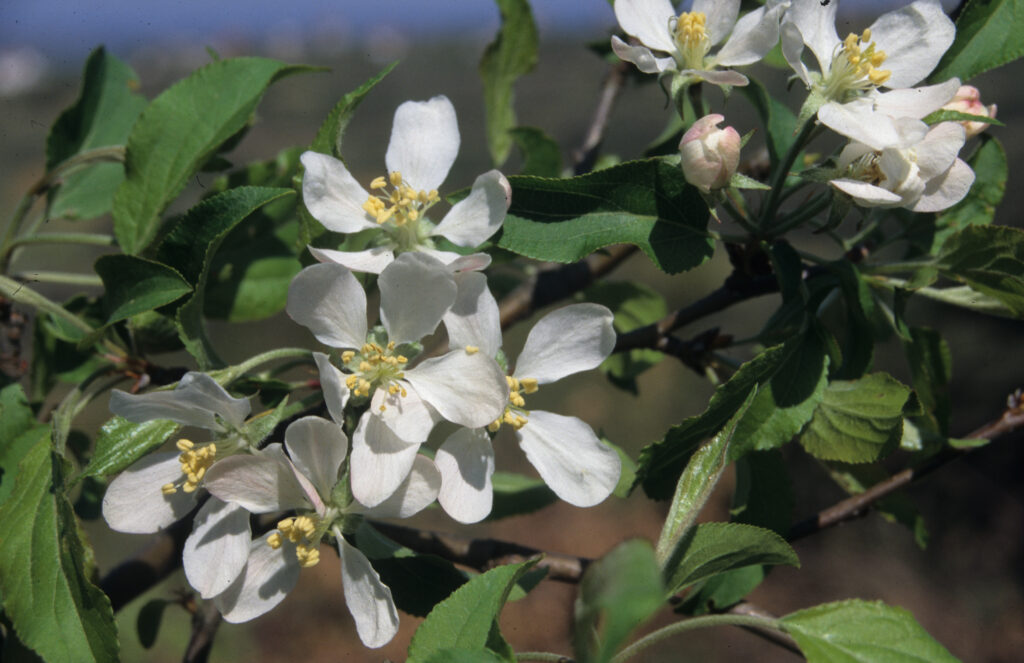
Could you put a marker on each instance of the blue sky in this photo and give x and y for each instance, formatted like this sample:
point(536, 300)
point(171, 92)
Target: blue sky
point(68, 29)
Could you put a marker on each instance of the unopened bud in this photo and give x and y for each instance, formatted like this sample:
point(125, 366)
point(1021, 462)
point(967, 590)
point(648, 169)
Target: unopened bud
point(968, 100)
point(710, 155)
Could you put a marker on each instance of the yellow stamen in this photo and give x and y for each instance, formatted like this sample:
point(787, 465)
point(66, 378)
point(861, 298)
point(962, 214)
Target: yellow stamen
point(168, 489)
point(472, 349)
point(378, 183)
point(347, 355)
point(275, 541)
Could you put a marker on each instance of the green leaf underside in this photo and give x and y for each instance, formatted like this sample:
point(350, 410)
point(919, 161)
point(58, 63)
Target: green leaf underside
point(617, 593)
point(989, 259)
point(512, 54)
point(714, 548)
point(329, 136)
point(862, 632)
point(121, 442)
point(46, 593)
point(857, 421)
point(464, 619)
point(178, 132)
point(541, 155)
point(645, 203)
point(696, 484)
point(102, 116)
point(135, 285)
point(987, 36)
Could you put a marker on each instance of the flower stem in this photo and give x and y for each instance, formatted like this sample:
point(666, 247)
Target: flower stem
point(543, 656)
point(66, 278)
point(231, 372)
point(93, 239)
point(778, 178)
point(690, 624)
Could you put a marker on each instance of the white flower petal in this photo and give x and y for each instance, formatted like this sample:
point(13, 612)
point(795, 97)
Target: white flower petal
point(134, 502)
point(473, 319)
point(328, 300)
point(817, 27)
point(937, 152)
point(916, 102)
point(718, 76)
point(793, 49)
point(416, 493)
point(260, 483)
point(465, 389)
point(946, 190)
point(647, 20)
point(867, 195)
point(332, 195)
point(858, 121)
point(479, 215)
point(368, 599)
point(372, 260)
point(380, 461)
point(332, 384)
point(755, 34)
point(469, 263)
point(570, 458)
point(406, 416)
point(193, 402)
point(216, 552)
point(466, 462)
point(415, 292)
point(720, 17)
point(642, 57)
point(269, 575)
point(424, 142)
point(571, 339)
point(914, 39)
point(317, 448)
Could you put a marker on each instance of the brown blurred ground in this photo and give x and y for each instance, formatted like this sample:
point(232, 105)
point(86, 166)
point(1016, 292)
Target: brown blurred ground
point(967, 588)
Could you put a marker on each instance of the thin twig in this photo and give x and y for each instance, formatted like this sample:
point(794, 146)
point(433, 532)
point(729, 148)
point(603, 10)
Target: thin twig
point(205, 622)
point(858, 505)
point(586, 155)
point(774, 636)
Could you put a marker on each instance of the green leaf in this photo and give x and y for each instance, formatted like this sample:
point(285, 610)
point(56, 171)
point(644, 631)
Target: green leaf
point(634, 305)
point(696, 485)
point(986, 37)
point(464, 619)
point(618, 593)
point(862, 632)
point(541, 156)
point(137, 285)
point(713, 548)
point(418, 581)
point(19, 432)
point(661, 462)
point(989, 259)
point(190, 247)
point(121, 442)
point(858, 337)
point(857, 421)
point(787, 400)
point(178, 132)
point(517, 494)
point(465, 656)
point(512, 54)
point(645, 203)
point(102, 116)
point(46, 592)
point(328, 137)
point(778, 121)
point(719, 592)
point(147, 624)
point(763, 495)
point(928, 232)
point(931, 366)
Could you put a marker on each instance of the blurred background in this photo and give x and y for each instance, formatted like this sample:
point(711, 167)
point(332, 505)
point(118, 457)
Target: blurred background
point(966, 587)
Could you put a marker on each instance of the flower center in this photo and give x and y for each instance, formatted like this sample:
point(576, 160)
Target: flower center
point(400, 206)
point(302, 531)
point(375, 367)
point(691, 37)
point(195, 460)
point(855, 66)
point(515, 414)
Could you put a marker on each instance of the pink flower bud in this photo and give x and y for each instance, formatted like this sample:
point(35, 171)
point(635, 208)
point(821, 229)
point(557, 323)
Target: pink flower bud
point(968, 100)
point(710, 155)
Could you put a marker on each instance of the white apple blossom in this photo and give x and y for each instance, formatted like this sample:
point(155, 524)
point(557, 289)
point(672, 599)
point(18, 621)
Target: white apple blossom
point(424, 143)
point(689, 37)
point(307, 481)
point(161, 488)
point(564, 450)
point(897, 51)
point(405, 398)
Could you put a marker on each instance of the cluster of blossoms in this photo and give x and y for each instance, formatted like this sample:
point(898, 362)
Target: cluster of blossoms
point(862, 88)
point(380, 378)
